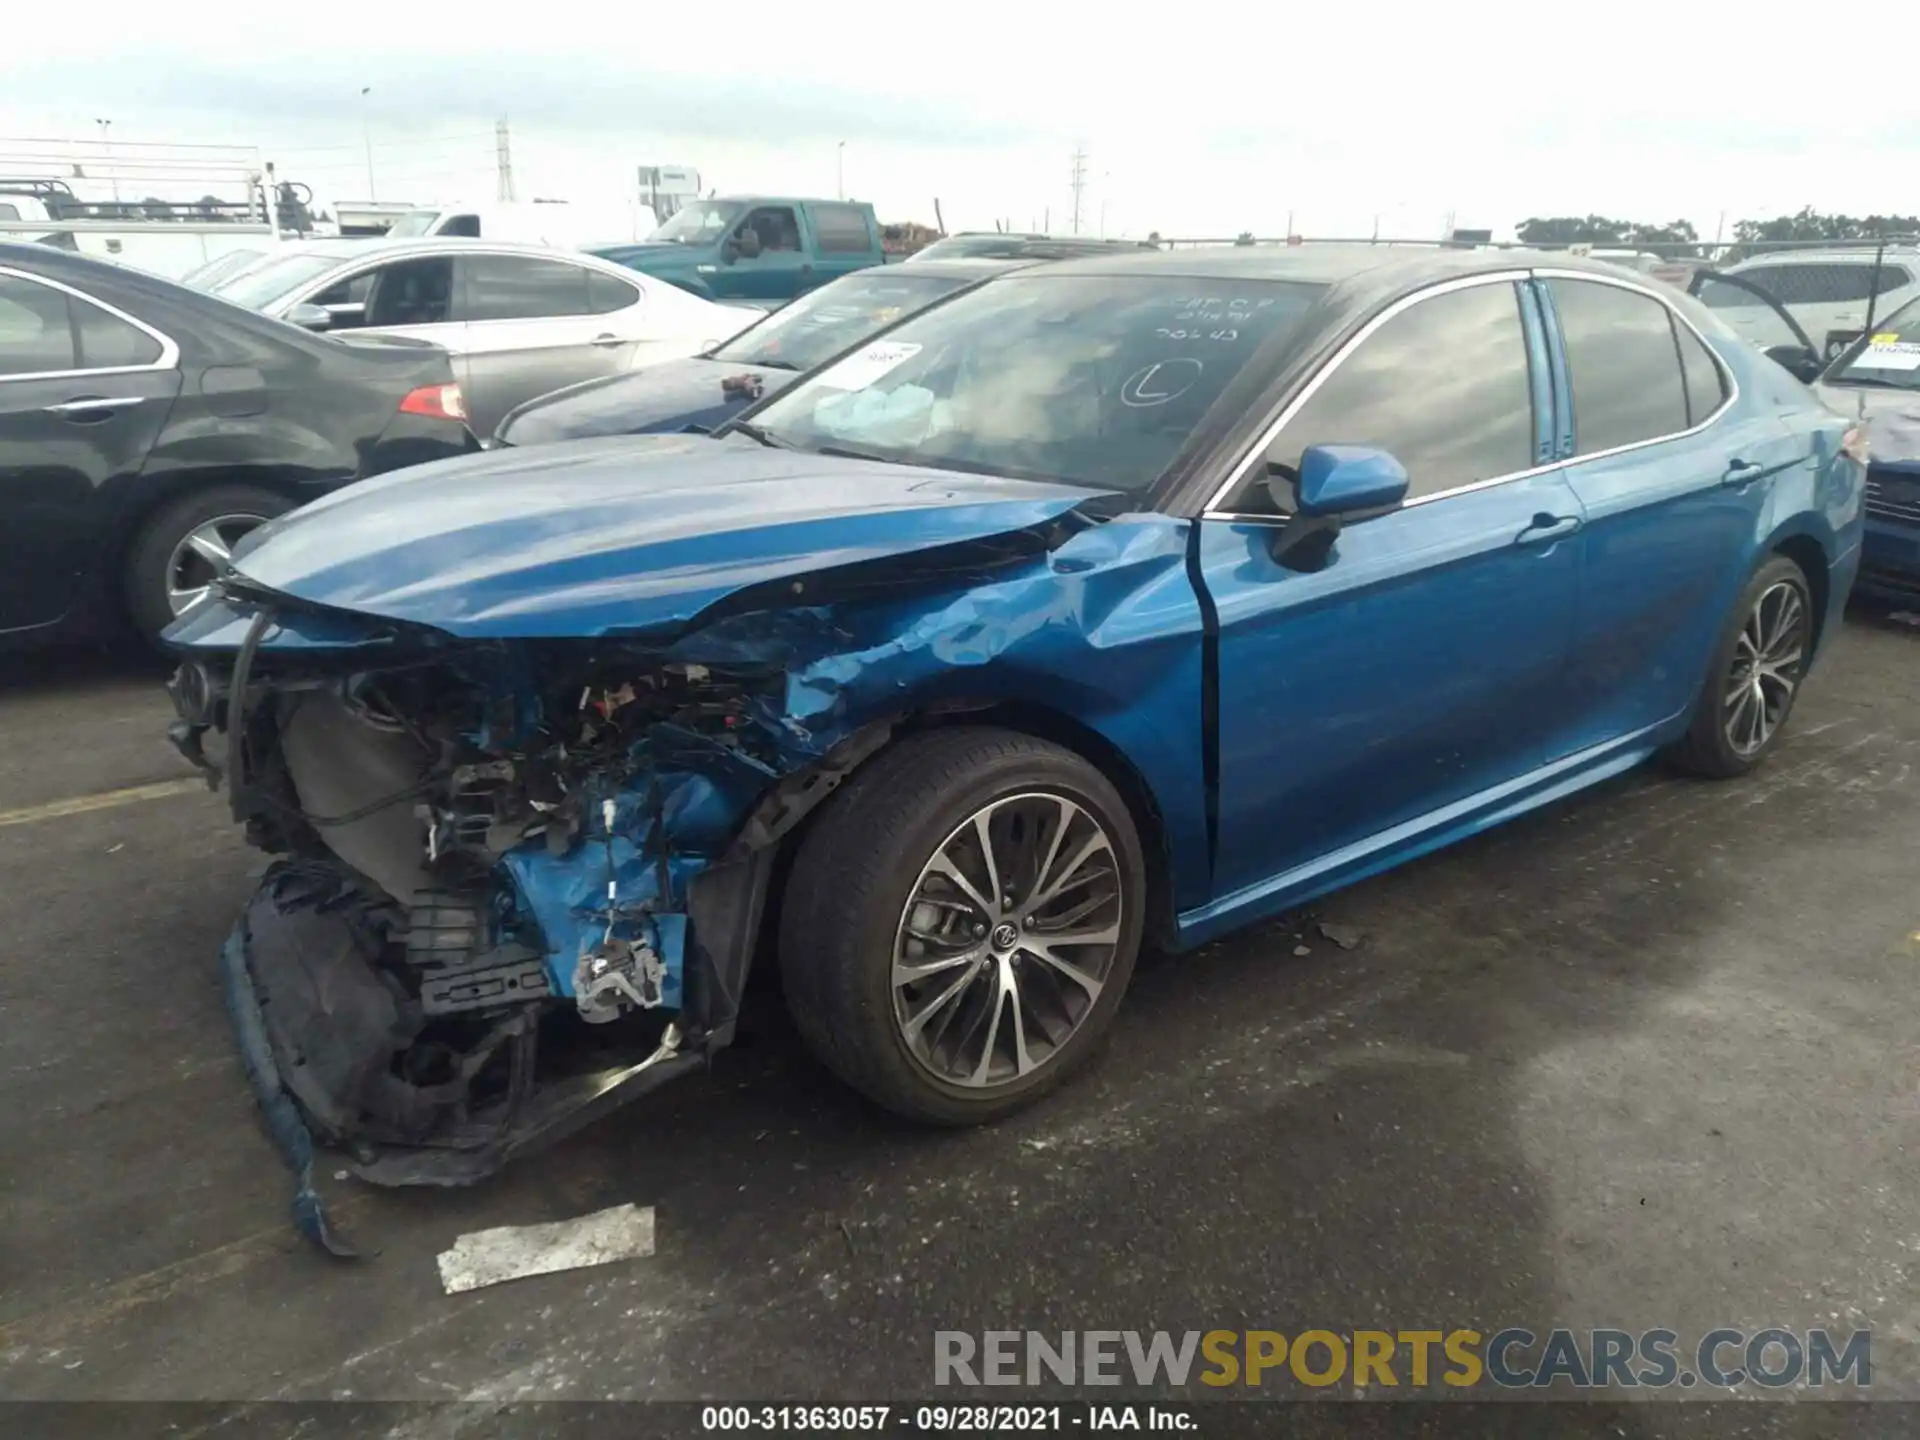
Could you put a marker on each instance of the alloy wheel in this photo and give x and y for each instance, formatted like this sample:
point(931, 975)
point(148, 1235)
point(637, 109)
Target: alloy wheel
point(1768, 659)
point(1006, 940)
point(202, 554)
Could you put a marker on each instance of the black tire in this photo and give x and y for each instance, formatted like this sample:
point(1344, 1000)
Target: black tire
point(1707, 749)
point(151, 554)
point(854, 875)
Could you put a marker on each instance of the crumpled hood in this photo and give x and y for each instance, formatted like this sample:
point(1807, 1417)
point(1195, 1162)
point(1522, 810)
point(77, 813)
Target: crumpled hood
point(667, 396)
point(592, 537)
point(1891, 417)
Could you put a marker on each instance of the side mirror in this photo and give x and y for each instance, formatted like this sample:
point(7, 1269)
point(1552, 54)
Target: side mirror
point(748, 243)
point(1798, 361)
point(1341, 479)
point(311, 317)
point(1333, 482)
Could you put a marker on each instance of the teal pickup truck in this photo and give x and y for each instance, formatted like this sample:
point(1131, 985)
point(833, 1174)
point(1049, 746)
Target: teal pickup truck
point(756, 249)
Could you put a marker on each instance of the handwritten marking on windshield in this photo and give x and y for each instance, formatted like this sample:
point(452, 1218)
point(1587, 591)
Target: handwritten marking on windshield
point(1160, 382)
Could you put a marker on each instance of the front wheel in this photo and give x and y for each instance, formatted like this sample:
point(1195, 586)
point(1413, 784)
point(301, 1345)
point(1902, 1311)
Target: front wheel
point(960, 924)
point(1755, 674)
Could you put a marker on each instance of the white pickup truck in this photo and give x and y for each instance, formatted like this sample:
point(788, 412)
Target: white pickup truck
point(163, 238)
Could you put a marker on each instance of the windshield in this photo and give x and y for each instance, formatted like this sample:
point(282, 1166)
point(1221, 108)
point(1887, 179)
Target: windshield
point(1091, 380)
point(264, 284)
point(1889, 356)
point(413, 223)
point(701, 223)
point(823, 322)
point(219, 269)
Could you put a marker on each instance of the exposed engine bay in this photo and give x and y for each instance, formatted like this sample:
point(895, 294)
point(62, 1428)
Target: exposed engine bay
point(518, 883)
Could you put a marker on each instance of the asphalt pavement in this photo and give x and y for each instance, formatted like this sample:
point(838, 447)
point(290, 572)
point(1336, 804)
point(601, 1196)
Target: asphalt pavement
point(1645, 1059)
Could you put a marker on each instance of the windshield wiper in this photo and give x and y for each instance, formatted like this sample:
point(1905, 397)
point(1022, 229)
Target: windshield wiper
point(755, 432)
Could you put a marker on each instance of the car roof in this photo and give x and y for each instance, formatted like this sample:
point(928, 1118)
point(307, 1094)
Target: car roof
point(1904, 251)
point(348, 249)
point(1359, 266)
point(750, 199)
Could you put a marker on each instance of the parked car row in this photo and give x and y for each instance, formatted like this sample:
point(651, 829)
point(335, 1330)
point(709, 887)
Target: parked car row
point(146, 427)
point(1132, 596)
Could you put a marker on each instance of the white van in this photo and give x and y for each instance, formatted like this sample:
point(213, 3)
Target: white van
point(537, 222)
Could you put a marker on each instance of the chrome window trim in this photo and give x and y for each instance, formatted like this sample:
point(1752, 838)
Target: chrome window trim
point(1730, 382)
point(350, 270)
point(169, 351)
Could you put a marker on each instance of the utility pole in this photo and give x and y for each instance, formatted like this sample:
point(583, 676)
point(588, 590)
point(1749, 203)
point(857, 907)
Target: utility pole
point(503, 159)
point(366, 134)
point(840, 169)
point(106, 140)
point(1079, 183)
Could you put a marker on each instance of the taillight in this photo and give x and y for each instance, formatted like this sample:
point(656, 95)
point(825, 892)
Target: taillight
point(1854, 444)
point(440, 402)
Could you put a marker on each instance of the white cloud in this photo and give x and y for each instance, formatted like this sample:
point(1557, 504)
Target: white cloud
point(1205, 117)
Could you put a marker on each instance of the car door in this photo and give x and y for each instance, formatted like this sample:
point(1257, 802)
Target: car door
point(534, 323)
point(1417, 669)
point(782, 269)
point(84, 389)
point(1758, 316)
point(1673, 478)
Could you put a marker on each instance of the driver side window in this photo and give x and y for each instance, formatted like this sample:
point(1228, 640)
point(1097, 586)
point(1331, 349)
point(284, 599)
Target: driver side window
point(776, 225)
point(1443, 386)
point(411, 292)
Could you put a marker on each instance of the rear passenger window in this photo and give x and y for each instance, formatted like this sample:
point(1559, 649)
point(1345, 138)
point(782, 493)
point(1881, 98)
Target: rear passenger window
point(108, 342)
point(523, 287)
point(35, 336)
point(842, 229)
point(1443, 386)
point(1625, 369)
point(1706, 387)
point(605, 294)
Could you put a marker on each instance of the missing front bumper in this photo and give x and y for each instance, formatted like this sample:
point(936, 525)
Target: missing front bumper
point(329, 1043)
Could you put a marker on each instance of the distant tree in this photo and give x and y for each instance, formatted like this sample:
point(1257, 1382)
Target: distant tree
point(1674, 232)
point(1556, 230)
point(1572, 230)
point(1758, 236)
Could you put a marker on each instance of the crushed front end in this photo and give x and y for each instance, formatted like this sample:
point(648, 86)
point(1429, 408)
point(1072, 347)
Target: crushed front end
point(516, 882)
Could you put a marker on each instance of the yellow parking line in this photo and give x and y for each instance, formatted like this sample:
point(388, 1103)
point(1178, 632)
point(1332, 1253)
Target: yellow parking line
point(105, 800)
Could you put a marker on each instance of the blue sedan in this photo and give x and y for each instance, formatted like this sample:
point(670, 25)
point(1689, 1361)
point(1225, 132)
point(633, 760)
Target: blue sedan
point(1125, 600)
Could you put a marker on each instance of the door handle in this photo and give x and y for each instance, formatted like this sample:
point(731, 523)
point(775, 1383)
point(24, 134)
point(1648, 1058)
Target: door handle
point(1739, 472)
point(94, 405)
point(608, 340)
point(1548, 528)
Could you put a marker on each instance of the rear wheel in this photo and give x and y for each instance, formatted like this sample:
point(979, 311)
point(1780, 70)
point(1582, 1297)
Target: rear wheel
point(183, 547)
point(960, 925)
point(1755, 675)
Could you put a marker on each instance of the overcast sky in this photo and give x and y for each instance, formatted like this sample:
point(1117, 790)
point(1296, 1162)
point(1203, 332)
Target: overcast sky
point(1199, 117)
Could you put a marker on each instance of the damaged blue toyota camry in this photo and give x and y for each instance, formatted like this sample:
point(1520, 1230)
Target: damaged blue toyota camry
point(1122, 601)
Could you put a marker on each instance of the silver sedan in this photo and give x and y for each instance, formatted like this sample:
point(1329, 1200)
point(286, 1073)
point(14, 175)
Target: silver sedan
point(519, 320)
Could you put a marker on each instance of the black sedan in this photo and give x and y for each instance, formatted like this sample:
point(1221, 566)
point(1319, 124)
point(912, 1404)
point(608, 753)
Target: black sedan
point(145, 427)
point(761, 359)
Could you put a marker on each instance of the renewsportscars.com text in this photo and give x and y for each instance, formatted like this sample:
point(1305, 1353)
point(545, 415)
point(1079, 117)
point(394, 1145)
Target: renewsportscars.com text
point(1513, 1358)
